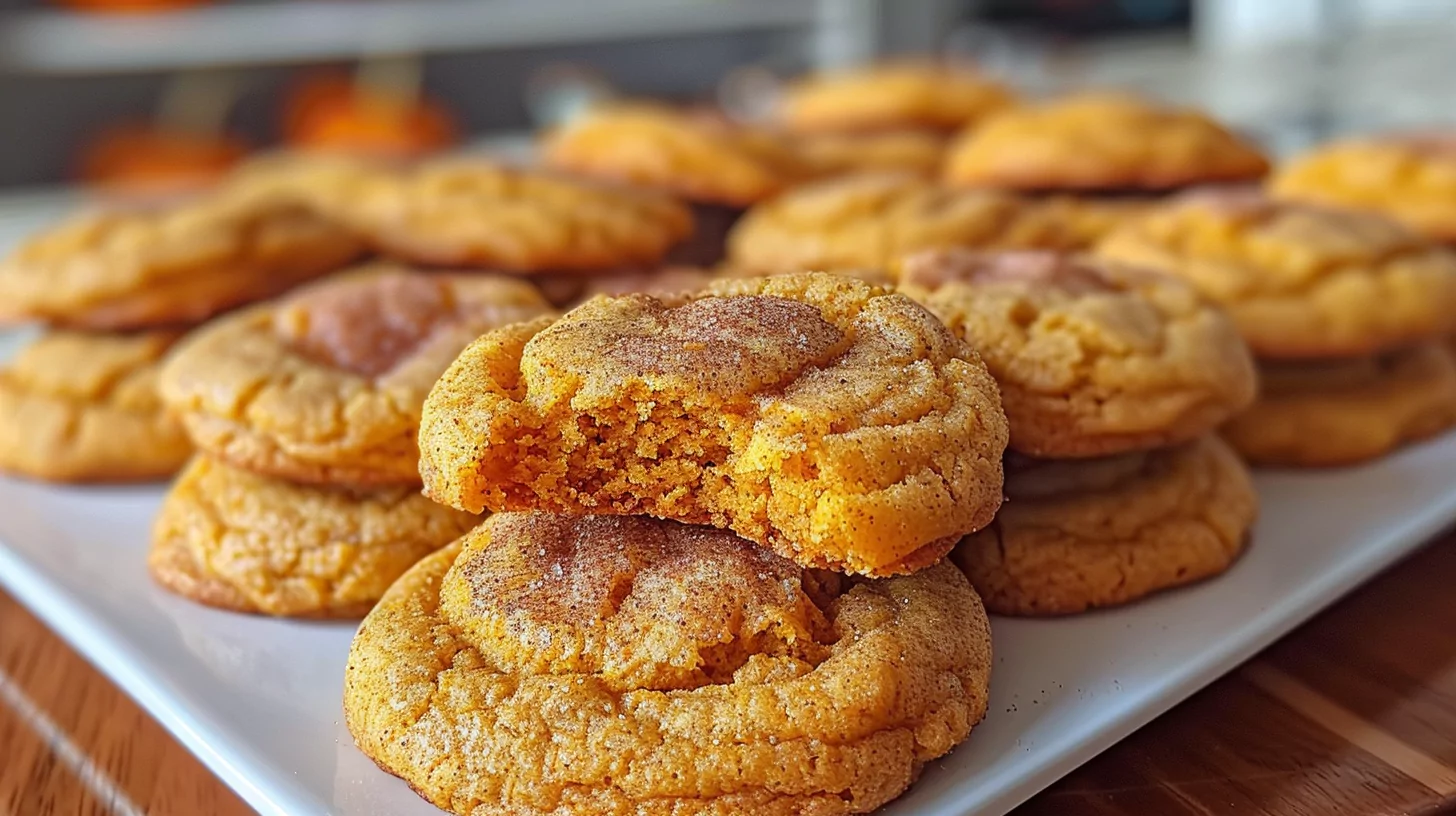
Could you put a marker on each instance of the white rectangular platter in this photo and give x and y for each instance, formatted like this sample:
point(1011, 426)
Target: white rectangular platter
point(259, 700)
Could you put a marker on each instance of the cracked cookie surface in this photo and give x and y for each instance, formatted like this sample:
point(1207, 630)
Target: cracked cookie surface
point(1301, 281)
point(326, 385)
point(1080, 534)
point(84, 408)
point(1347, 411)
point(1408, 177)
point(815, 414)
point(475, 213)
point(232, 539)
point(1092, 358)
point(873, 220)
point(1100, 142)
point(699, 157)
point(535, 669)
point(164, 266)
point(905, 95)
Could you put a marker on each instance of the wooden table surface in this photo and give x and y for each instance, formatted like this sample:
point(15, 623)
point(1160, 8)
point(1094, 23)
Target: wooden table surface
point(1354, 713)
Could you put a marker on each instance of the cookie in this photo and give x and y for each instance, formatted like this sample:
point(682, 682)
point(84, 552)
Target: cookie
point(475, 213)
point(531, 670)
point(314, 176)
point(892, 96)
point(1301, 281)
point(1093, 358)
point(1100, 142)
point(1408, 177)
point(818, 415)
point(873, 220)
point(1347, 411)
point(148, 268)
point(698, 157)
point(232, 539)
point(895, 151)
point(326, 385)
point(1080, 534)
point(84, 408)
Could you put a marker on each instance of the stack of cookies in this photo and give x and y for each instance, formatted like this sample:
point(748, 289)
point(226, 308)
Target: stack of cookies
point(116, 290)
point(304, 498)
point(894, 116)
point(870, 221)
point(1113, 381)
point(1346, 310)
point(714, 580)
point(718, 166)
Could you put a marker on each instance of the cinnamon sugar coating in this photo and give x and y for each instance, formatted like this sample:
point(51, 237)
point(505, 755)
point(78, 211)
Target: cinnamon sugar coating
point(838, 424)
point(591, 665)
point(326, 385)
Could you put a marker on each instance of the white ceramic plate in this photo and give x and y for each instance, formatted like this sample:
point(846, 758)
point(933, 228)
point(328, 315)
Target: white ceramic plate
point(259, 700)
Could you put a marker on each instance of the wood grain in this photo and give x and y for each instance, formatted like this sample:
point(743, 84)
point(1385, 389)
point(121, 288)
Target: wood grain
point(1352, 715)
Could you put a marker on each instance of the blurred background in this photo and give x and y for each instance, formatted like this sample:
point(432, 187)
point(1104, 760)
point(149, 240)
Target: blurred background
point(98, 91)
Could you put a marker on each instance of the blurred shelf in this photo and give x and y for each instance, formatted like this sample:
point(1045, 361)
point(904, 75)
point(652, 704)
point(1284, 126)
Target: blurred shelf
point(231, 33)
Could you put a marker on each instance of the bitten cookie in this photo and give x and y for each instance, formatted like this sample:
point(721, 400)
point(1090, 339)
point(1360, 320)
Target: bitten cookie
point(531, 670)
point(475, 213)
point(1301, 281)
point(893, 96)
point(1092, 358)
point(1080, 534)
point(228, 538)
point(84, 408)
point(1408, 177)
point(818, 415)
point(326, 386)
point(1100, 142)
point(699, 157)
point(1347, 411)
point(149, 268)
point(874, 220)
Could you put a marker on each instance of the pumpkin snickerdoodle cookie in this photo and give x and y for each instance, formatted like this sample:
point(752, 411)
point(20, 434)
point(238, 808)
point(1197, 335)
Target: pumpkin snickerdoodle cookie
point(232, 539)
point(1080, 534)
point(1301, 281)
point(893, 96)
point(84, 408)
point(1347, 411)
point(1100, 142)
point(873, 220)
point(700, 157)
point(148, 268)
point(1093, 358)
point(818, 415)
point(771, 689)
point(1408, 177)
point(326, 385)
point(477, 213)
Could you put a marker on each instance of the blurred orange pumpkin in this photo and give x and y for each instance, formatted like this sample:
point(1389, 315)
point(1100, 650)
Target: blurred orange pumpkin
point(128, 6)
point(331, 112)
point(144, 158)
